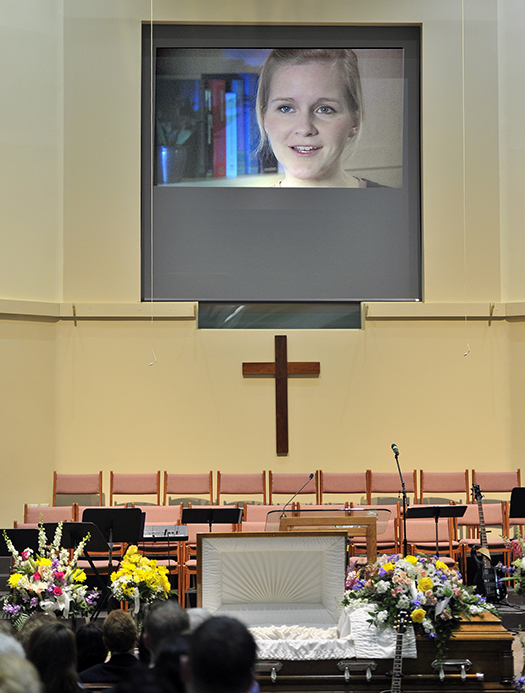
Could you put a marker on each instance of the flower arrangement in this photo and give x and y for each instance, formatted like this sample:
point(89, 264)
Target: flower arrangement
point(433, 593)
point(139, 580)
point(47, 581)
point(516, 570)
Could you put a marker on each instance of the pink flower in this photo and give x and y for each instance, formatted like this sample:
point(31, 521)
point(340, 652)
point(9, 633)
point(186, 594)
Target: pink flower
point(25, 555)
point(57, 591)
point(37, 576)
point(59, 575)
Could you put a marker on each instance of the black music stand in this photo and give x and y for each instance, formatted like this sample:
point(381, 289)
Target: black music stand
point(122, 525)
point(435, 511)
point(21, 538)
point(517, 502)
point(211, 514)
point(72, 535)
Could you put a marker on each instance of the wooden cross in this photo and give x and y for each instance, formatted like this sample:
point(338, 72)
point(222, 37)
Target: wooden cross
point(281, 369)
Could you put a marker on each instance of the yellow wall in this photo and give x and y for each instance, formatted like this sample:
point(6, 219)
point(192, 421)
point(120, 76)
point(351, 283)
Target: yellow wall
point(84, 397)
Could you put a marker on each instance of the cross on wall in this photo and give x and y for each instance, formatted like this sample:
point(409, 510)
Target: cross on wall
point(281, 368)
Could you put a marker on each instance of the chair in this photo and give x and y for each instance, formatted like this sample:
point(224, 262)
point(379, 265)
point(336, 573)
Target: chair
point(342, 483)
point(167, 553)
point(443, 482)
point(188, 485)
point(189, 559)
point(77, 485)
point(497, 482)
point(33, 514)
point(134, 484)
point(389, 482)
point(288, 484)
point(241, 485)
point(495, 516)
point(254, 518)
point(387, 541)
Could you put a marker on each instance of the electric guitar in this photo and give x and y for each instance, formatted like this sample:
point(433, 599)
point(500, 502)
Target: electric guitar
point(400, 625)
point(486, 578)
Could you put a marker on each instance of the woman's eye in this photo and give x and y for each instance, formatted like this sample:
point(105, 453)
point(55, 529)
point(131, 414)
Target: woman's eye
point(285, 109)
point(325, 110)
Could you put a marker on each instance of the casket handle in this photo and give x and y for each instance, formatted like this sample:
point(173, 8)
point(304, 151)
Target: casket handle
point(272, 667)
point(452, 665)
point(356, 665)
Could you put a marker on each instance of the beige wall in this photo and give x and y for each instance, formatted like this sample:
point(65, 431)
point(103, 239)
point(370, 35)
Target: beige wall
point(83, 396)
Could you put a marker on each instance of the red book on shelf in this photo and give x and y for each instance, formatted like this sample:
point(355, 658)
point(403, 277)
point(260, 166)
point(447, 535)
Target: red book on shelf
point(217, 88)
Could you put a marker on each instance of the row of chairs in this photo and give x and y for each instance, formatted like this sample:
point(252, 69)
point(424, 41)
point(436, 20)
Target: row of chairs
point(456, 536)
point(323, 484)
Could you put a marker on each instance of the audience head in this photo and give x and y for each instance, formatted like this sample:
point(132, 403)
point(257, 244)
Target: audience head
point(91, 649)
point(197, 616)
point(52, 650)
point(17, 675)
point(31, 624)
point(222, 657)
point(165, 622)
point(119, 631)
point(10, 646)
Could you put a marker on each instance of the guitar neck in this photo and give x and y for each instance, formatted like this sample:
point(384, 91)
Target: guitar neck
point(482, 528)
point(398, 661)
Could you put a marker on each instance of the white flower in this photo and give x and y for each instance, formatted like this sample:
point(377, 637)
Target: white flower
point(382, 586)
point(403, 602)
point(382, 616)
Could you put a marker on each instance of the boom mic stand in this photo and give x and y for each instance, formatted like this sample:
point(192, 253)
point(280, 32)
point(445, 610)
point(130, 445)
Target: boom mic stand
point(405, 500)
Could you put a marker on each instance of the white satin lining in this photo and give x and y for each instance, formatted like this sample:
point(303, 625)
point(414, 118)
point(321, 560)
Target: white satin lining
point(274, 580)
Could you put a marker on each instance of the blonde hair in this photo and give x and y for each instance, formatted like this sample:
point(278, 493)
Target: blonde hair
point(344, 59)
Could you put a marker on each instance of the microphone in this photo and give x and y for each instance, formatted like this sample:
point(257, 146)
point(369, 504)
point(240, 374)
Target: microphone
point(283, 514)
point(395, 449)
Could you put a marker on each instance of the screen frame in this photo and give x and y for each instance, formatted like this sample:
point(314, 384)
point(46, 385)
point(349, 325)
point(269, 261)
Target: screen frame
point(232, 35)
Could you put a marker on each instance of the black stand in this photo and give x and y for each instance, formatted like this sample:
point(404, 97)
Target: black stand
point(121, 525)
point(435, 511)
point(405, 501)
point(21, 538)
point(517, 502)
point(211, 514)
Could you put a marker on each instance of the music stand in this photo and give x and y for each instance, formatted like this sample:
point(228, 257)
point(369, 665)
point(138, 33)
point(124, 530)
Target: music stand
point(211, 515)
point(22, 539)
point(517, 502)
point(435, 511)
point(72, 535)
point(122, 525)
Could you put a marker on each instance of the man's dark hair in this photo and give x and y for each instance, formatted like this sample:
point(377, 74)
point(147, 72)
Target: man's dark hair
point(165, 622)
point(222, 656)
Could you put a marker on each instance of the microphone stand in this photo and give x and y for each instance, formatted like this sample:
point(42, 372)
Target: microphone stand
point(405, 502)
point(283, 514)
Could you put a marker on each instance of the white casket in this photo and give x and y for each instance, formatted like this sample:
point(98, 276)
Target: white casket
point(287, 587)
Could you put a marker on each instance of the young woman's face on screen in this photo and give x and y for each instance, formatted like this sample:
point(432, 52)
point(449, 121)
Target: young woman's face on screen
point(308, 122)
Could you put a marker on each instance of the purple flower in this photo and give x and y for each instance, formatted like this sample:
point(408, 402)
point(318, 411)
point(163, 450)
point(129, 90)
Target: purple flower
point(34, 602)
point(11, 608)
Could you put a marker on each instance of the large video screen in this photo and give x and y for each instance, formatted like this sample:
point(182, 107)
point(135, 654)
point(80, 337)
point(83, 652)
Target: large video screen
point(280, 163)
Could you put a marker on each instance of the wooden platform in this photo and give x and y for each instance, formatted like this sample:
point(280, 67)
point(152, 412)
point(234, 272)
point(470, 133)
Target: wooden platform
point(482, 641)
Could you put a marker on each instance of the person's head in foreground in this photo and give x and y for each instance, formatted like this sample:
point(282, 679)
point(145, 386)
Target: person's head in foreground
point(164, 623)
point(52, 650)
point(309, 110)
point(17, 675)
point(222, 657)
point(119, 632)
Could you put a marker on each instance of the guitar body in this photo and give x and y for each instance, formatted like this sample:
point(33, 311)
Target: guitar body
point(486, 578)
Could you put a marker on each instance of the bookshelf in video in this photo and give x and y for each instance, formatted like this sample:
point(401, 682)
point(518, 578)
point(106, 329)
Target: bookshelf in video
point(206, 129)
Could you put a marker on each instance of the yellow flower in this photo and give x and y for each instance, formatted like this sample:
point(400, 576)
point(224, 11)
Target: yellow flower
point(418, 615)
point(79, 575)
point(425, 584)
point(44, 561)
point(388, 566)
point(441, 566)
point(14, 579)
point(411, 559)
